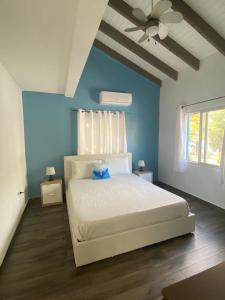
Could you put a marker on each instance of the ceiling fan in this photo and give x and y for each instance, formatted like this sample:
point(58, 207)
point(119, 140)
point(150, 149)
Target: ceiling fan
point(154, 23)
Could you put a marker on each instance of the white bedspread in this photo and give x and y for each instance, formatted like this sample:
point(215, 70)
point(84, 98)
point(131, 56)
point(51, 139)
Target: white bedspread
point(104, 207)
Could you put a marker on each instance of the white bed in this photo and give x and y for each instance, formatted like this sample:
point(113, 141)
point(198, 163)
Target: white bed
point(113, 216)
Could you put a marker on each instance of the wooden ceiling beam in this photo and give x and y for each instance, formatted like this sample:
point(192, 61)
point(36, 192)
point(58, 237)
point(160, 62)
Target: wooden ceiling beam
point(126, 62)
point(137, 49)
point(125, 10)
point(200, 25)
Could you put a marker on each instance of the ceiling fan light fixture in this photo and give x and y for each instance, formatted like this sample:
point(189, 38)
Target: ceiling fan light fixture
point(163, 31)
point(152, 31)
point(154, 23)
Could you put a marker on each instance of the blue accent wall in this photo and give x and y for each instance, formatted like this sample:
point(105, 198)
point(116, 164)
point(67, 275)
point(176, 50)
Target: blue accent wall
point(50, 123)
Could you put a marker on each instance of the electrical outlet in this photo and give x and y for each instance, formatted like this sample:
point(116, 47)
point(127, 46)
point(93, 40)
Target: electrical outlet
point(24, 195)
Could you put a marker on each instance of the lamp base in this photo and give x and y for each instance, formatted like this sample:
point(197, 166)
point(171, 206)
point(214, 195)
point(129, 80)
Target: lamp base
point(141, 169)
point(50, 178)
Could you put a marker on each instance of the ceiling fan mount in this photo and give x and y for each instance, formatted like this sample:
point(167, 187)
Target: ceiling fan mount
point(154, 23)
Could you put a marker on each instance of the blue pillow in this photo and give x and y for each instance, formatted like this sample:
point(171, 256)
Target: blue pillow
point(100, 171)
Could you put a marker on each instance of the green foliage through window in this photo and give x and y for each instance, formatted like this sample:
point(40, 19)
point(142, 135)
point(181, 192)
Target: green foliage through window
point(205, 136)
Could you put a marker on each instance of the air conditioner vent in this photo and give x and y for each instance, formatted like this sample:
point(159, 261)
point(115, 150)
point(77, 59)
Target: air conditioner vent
point(112, 98)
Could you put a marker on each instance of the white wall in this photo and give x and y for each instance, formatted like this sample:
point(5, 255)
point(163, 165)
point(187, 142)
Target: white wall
point(192, 86)
point(12, 159)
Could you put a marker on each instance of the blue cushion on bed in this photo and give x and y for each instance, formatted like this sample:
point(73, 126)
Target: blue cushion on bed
point(100, 171)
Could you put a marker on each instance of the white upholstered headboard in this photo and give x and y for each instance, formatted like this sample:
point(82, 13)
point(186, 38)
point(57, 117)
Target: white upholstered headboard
point(68, 159)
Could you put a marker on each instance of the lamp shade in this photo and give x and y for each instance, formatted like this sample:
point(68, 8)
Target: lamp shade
point(50, 171)
point(141, 163)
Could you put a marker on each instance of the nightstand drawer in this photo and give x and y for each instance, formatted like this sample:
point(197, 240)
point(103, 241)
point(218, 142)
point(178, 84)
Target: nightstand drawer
point(51, 193)
point(147, 177)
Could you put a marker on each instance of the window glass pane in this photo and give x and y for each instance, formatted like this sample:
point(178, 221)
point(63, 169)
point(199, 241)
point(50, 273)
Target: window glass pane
point(193, 136)
point(204, 115)
point(216, 125)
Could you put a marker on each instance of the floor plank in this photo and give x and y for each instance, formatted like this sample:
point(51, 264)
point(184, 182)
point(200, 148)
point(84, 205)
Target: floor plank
point(40, 263)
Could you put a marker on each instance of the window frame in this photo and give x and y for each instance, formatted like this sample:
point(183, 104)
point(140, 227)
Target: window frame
point(199, 162)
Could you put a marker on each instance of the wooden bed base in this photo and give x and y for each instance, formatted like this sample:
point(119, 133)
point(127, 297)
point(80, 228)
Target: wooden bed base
point(86, 252)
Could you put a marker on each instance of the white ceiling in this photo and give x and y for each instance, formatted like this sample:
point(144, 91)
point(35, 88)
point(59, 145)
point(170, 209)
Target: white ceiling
point(44, 44)
point(212, 11)
point(183, 33)
point(129, 55)
point(36, 38)
point(35, 42)
point(120, 23)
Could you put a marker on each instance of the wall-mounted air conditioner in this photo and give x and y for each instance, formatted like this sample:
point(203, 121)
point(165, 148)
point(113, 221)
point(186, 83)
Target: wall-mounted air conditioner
point(111, 98)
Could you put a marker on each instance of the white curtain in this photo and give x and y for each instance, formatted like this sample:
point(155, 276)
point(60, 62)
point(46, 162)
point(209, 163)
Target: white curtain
point(222, 162)
point(180, 142)
point(101, 132)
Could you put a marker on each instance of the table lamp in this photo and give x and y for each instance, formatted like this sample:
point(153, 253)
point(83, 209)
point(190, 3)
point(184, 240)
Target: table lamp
point(50, 171)
point(141, 165)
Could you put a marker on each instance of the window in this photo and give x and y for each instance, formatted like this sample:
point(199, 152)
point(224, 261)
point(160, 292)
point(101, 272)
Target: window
point(101, 132)
point(205, 136)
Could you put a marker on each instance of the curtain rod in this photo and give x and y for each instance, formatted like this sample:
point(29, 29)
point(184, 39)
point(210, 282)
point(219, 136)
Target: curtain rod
point(97, 110)
point(208, 100)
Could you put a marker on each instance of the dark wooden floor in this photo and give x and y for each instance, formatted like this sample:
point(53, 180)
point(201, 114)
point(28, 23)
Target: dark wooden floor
point(40, 264)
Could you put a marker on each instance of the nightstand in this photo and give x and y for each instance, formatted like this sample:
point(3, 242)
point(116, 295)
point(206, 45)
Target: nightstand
point(51, 192)
point(146, 175)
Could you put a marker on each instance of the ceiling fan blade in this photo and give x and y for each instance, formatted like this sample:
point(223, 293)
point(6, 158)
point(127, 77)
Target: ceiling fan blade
point(171, 17)
point(163, 31)
point(143, 38)
point(152, 31)
point(134, 28)
point(160, 8)
point(139, 14)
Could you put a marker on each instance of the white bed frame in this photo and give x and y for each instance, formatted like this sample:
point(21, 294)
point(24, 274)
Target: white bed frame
point(93, 250)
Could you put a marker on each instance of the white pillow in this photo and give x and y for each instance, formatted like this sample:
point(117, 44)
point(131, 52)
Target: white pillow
point(83, 169)
point(118, 165)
